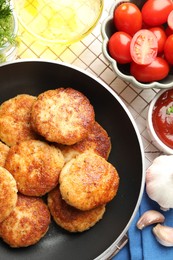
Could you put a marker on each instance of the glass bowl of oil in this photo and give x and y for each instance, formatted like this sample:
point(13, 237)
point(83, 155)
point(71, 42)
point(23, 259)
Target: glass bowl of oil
point(59, 21)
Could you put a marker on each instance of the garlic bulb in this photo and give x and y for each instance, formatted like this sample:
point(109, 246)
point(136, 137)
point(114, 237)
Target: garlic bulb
point(164, 235)
point(150, 217)
point(159, 181)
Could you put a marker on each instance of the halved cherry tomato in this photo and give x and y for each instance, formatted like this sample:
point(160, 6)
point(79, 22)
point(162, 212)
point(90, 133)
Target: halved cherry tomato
point(144, 47)
point(155, 71)
point(161, 37)
point(168, 49)
point(119, 47)
point(155, 12)
point(170, 20)
point(128, 18)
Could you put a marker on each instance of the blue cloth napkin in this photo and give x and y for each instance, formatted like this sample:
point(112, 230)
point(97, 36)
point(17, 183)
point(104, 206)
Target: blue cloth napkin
point(142, 244)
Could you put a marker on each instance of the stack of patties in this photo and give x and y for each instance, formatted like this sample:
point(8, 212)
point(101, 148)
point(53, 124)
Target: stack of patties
point(86, 184)
point(53, 146)
point(87, 181)
point(24, 220)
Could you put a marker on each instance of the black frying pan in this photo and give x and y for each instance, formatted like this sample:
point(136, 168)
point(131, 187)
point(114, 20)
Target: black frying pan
point(34, 77)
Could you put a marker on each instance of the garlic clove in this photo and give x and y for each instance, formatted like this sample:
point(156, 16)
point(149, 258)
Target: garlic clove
point(164, 235)
point(150, 217)
point(164, 209)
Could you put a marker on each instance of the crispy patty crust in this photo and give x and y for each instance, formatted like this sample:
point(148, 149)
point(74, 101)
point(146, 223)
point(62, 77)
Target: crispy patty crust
point(62, 115)
point(4, 149)
point(97, 141)
point(88, 181)
point(15, 119)
point(70, 218)
point(8, 193)
point(27, 223)
point(35, 165)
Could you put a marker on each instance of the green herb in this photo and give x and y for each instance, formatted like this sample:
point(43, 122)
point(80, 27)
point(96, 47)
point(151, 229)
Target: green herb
point(6, 23)
point(5, 9)
point(169, 110)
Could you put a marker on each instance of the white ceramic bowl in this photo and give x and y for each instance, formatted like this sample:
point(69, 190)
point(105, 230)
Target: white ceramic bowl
point(122, 71)
point(155, 139)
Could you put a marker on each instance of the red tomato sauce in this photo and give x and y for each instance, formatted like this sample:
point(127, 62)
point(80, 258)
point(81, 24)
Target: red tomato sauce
point(162, 118)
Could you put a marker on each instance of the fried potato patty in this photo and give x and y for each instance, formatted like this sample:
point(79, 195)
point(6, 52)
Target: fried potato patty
point(88, 181)
point(70, 218)
point(8, 193)
point(4, 149)
point(35, 165)
point(97, 141)
point(62, 115)
point(27, 223)
point(15, 119)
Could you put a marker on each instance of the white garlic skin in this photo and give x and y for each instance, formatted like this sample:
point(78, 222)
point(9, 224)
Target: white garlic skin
point(159, 181)
point(150, 217)
point(164, 235)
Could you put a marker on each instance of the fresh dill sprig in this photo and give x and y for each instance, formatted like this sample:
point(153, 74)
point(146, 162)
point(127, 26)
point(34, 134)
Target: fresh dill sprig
point(6, 23)
point(5, 9)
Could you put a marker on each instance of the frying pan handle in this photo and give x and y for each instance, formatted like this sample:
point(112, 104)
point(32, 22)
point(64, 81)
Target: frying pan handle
point(119, 246)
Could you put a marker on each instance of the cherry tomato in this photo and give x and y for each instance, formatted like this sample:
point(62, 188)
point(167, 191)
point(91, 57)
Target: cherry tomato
point(170, 20)
point(155, 71)
point(161, 37)
point(119, 47)
point(128, 18)
point(145, 26)
point(168, 49)
point(168, 31)
point(162, 118)
point(144, 47)
point(155, 12)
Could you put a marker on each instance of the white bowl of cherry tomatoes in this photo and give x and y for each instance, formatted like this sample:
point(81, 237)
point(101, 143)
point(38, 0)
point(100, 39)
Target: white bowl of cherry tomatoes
point(138, 42)
point(160, 120)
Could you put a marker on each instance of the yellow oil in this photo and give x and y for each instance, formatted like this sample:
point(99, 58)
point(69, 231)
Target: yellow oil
point(62, 21)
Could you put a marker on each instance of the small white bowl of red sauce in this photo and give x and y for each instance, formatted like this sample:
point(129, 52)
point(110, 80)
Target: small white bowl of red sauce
point(160, 120)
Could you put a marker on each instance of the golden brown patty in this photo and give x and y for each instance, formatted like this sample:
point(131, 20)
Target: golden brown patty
point(27, 223)
point(35, 165)
point(70, 218)
point(62, 115)
point(8, 193)
point(3, 153)
point(97, 141)
point(88, 181)
point(15, 119)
